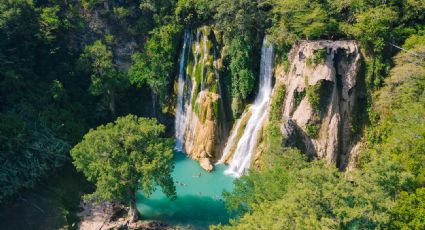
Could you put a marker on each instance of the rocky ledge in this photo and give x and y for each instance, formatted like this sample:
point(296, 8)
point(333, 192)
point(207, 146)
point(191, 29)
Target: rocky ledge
point(107, 215)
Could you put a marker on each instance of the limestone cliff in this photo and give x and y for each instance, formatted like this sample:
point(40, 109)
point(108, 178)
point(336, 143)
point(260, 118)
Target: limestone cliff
point(323, 93)
point(203, 127)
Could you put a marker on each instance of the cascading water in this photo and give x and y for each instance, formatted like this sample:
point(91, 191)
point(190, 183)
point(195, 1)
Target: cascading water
point(230, 141)
point(181, 105)
point(242, 157)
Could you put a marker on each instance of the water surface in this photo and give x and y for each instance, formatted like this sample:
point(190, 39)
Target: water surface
point(199, 196)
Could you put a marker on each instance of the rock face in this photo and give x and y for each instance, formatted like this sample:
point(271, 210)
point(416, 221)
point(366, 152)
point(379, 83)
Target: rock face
point(123, 44)
point(107, 215)
point(202, 141)
point(202, 121)
point(323, 91)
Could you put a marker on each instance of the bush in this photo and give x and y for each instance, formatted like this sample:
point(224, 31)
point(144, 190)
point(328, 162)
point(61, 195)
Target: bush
point(276, 103)
point(318, 57)
point(299, 96)
point(313, 94)
point(312, 130)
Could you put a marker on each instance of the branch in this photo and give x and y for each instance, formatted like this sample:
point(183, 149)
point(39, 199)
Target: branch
point(407, 51)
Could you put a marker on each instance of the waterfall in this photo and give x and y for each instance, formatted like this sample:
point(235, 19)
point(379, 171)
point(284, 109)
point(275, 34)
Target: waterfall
point(181, 119)
point(242, 157)
point(230, 142)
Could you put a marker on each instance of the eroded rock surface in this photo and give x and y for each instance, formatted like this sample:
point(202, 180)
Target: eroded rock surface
point(203, 120)
point(108, 216)
point(323, 93)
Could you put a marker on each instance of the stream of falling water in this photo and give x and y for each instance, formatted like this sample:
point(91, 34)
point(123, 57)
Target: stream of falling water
point(181, 105)
point(230, 141)
point(241, 159)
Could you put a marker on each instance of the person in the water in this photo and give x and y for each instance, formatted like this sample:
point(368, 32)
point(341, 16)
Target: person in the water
point(197, 175)
point(181, 183)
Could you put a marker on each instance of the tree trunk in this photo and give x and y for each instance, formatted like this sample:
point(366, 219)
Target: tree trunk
point(133, 214)
point(112, 105)
point(154, 104)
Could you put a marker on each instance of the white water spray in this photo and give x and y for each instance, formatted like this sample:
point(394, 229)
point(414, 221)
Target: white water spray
point(230, 142)
point(242, 157)
point(181, 105)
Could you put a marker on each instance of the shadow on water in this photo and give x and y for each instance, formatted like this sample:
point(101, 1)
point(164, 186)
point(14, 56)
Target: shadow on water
point(199, 202)
point(195, 211)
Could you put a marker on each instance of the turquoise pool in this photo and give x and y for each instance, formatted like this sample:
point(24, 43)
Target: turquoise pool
point(199, 201)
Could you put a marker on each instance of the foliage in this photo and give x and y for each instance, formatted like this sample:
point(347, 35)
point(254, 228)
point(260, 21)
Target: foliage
point(372, 26)
point(242, 76)
point(313, 94)
point(192, 12)
point(413, 41)
point(106, 79)
point(28, 151)
point(156, 64)
point(302, 19)
point(276, 103)
point(312, 130)
point(124, 156)
point(409, 210)
point(318, 57)
point(299, 96)
point(311, 195)
point(274, 136)
point(50, 22)
point(241, 19)
point(386, 191)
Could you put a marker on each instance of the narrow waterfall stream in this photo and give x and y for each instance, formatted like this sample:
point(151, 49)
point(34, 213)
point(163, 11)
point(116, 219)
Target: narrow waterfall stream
point(242, 157)
point(231, 140)
point(180, 120)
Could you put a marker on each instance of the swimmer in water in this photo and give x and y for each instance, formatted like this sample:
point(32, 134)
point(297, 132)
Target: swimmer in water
point(197, 175)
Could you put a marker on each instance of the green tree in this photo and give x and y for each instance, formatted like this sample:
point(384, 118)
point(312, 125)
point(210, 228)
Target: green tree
point(155, 65)
point(302, 19)
point(373, 27)
point(241, 19)
point(50, 22)
point(28, 151)
point(106, 78)
point(409, 212)
point(192, 12)
point(241, 71)
point(124, 156)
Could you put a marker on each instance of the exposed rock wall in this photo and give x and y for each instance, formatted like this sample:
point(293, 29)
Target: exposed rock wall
point(122, 42)
point(205, 117)
point(323, 90)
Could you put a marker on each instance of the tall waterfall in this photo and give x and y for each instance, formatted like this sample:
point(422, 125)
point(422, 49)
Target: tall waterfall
point(181, 120)
point(242, 157)
point(230, 141)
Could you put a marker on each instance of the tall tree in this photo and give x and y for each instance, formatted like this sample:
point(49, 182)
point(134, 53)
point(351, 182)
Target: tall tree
point(155, 65)
point(106, 78)
point(124, 156)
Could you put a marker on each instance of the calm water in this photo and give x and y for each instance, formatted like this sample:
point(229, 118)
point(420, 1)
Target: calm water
point(199, 201)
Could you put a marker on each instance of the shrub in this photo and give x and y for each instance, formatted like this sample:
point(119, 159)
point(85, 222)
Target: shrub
point(318, 57)
point(312, 130)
